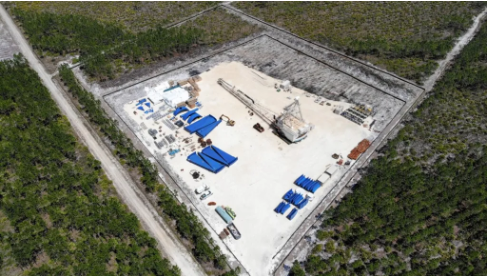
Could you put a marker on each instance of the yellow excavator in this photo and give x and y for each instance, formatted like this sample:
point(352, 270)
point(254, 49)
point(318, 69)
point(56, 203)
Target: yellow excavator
point(228, 120)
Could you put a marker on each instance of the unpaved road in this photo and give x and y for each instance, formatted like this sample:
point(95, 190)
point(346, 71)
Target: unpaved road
point(174, 251)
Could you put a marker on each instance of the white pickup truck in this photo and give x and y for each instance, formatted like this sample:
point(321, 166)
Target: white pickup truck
point(202, 189)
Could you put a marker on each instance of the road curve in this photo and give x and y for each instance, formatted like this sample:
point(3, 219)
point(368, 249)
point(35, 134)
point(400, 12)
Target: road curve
point(171, 247)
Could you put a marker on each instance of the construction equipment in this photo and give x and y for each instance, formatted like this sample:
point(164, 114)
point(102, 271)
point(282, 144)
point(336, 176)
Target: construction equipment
point(258, 127)
point(290, 124)
point(228, 120)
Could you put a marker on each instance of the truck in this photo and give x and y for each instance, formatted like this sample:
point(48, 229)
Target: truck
point(233, 230)
point(202, 189)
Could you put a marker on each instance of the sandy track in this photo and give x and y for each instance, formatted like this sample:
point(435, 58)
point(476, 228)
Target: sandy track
point(148, 216)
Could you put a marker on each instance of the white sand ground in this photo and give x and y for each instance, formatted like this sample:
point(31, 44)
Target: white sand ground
point(267, 166)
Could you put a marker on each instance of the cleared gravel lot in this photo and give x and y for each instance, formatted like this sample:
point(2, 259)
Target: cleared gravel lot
point(267, 166)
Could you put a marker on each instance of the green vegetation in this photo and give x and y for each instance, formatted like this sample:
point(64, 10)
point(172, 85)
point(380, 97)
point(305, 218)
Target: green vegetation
point(133, 16)
point(186, 223)
point(402, 37)
point(421, 207)
point(106, 50)
point(60, 215)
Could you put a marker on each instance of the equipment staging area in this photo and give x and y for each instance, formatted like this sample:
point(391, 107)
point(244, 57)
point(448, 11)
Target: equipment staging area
point(267, 165)
point(245, 195)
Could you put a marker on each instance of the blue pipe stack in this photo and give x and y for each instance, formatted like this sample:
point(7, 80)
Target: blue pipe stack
point(307, 183)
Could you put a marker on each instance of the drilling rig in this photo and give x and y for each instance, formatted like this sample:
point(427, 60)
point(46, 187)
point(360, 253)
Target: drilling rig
point(289, 124)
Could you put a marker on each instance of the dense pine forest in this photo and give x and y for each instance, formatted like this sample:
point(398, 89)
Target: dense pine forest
point(403, 37)
point(59, 213)
point(420, 209)
point(107, 50)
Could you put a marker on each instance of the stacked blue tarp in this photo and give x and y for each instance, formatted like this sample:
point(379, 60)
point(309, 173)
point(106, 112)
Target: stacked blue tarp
point(227, 158)
point(288, 195)
point(294, 198)
point(188, 114)
point(292, 214)
point(282, 207)
point(193, 117)
point(206, 130)
point(205, 121)
point(212, 159)
point(179, 110)
point(205, 162)
point(141, 102)
point(302, 203)
point(307, 183)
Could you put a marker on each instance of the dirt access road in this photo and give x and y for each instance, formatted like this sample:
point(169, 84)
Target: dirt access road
point(172, 249)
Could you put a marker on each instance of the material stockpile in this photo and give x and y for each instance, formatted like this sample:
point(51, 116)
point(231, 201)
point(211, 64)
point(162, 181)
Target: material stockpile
point(296, 199)
point(203, 126)
point(359, 149)
point(308, 184)
point(282, 207)
point(212, 158)
point(292, 214)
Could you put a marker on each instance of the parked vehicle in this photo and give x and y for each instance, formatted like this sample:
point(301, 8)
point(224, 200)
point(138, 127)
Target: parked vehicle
point(233, 230)
point(202, 189)
point(206, 194)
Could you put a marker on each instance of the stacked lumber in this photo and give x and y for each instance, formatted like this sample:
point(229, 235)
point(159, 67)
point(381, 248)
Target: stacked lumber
point(359, 149)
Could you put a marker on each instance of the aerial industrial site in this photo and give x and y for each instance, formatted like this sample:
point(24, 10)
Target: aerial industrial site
point(242, 138)
point(254, 153)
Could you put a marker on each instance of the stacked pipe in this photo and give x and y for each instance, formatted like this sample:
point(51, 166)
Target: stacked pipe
point(308, 183)
point(282, 207)
point(296, 199)
point(292, 214)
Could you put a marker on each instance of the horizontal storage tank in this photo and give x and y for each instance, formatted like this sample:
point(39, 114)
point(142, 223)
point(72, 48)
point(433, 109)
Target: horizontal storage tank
point(223, 214)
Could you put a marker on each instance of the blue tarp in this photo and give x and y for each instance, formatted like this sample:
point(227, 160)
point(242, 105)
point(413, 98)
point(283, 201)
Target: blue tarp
point(282, 207)
point(302, 203)
point(292, 214)
point(205, 121)
point(171, 88)
point(278, 208)
point(204, 131)
point(285, 208)
point(297, 198)
point(187, 114)
point(197, 160)
point(300, 179)
point(193, 117)
point(141, 108)
point(208, 151)
point(148, 104)
point(179, 110)
point(307, 183)
point(229, 159)
point(223, 214)
point(140, 102)
point(216, 166)
point(288, 195)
